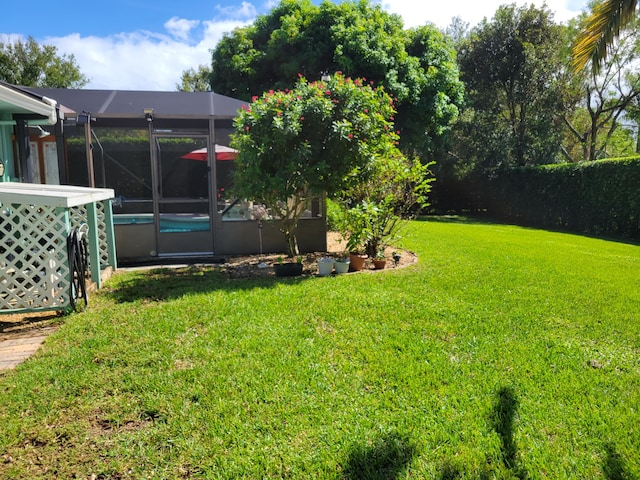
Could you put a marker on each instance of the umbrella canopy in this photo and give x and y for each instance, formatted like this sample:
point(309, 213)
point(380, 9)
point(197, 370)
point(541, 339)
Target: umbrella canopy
point(222, 153)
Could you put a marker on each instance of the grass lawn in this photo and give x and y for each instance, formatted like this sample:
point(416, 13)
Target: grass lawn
point(504, 353)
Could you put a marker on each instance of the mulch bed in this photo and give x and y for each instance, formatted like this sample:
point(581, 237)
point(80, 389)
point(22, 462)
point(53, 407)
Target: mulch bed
point(261, 266)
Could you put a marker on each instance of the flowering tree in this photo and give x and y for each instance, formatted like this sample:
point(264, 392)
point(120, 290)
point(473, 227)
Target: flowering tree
point(320, 137)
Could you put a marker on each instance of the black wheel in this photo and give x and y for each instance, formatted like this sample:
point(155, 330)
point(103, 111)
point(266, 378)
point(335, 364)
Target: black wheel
point(78, 264)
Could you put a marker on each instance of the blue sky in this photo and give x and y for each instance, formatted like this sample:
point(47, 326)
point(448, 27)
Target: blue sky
point(146, 45)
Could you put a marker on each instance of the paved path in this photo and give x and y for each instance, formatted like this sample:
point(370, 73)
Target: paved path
point(16, 350)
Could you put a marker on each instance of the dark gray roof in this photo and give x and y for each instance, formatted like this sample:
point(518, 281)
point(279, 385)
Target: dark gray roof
point(130, 104)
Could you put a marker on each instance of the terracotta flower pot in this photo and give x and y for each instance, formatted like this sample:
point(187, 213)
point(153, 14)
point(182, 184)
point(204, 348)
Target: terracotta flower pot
point(356, 262)
point(379, 264)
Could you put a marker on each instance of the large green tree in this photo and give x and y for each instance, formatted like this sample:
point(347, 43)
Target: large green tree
point(33, 65)
point(417, 67)
point(319, 137)
point(510, 66)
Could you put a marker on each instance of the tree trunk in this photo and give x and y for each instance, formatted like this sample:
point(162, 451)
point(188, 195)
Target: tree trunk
point(289, 230)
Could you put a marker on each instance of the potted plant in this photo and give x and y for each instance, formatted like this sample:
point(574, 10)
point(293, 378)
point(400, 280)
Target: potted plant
point(325, 266)
point(342, 263)
point(379, 261)
point(353, 226)
point(288, 269)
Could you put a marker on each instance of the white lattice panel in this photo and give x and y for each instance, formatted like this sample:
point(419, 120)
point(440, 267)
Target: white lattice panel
point(34, 269)
point(103, 241)
point(79, 217)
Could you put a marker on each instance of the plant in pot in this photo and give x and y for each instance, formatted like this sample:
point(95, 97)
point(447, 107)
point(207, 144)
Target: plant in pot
point(373, 212)
point(379, 261)
point(325, 266)
point(288, 269)
point(353, 227)
point(342, 263)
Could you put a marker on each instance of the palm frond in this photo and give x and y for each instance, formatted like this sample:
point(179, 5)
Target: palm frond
point(602, 28)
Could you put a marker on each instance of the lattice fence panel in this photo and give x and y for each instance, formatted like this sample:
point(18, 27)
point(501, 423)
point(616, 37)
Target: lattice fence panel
point(79, 217)
point(34, 267)
point(102, 236)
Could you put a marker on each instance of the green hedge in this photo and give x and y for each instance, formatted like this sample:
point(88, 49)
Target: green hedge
point(600, 198)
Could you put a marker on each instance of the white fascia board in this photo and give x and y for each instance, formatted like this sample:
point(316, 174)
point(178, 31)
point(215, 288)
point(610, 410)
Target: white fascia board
point(45, 107)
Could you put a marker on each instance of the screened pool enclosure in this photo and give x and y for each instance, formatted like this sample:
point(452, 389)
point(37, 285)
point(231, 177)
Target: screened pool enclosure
point(166, 155)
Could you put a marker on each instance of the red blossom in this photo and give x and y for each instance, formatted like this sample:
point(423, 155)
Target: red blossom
point(246, 128)
point(328, 92)
point(301, 118)
point(254, 98)
point(351, 135)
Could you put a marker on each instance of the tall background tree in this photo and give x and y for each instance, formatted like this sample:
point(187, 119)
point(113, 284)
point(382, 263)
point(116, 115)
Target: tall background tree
point(195, 80)
point(510, 67)
point(416, 67)
point(33, 65)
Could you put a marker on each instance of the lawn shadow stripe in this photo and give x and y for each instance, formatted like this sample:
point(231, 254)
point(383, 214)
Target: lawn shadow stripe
point(170, 283)
point(614, 467)
point(385, 459)
point(504, 414)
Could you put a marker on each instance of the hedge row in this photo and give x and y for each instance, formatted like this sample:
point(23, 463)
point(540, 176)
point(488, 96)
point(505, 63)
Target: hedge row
point(599, 198)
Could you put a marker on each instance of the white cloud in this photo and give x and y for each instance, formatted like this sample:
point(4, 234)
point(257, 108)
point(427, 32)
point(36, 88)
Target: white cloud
point(471, 11)
point(141, 60)
point(180, 27)
point(245, 11)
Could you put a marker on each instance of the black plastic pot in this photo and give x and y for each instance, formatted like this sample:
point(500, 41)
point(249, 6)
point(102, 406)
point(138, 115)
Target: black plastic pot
point(288, 269)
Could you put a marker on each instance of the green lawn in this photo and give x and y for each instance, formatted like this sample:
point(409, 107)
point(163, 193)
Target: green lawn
point(504, 353)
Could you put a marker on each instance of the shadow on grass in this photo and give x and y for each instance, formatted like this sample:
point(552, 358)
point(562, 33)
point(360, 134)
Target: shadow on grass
point(387, 458)
point(169, 283)
point(504, 412)
point(614, 468)
point(455, 219)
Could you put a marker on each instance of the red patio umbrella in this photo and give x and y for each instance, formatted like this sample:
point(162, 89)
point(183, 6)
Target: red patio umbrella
point(222, 153)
